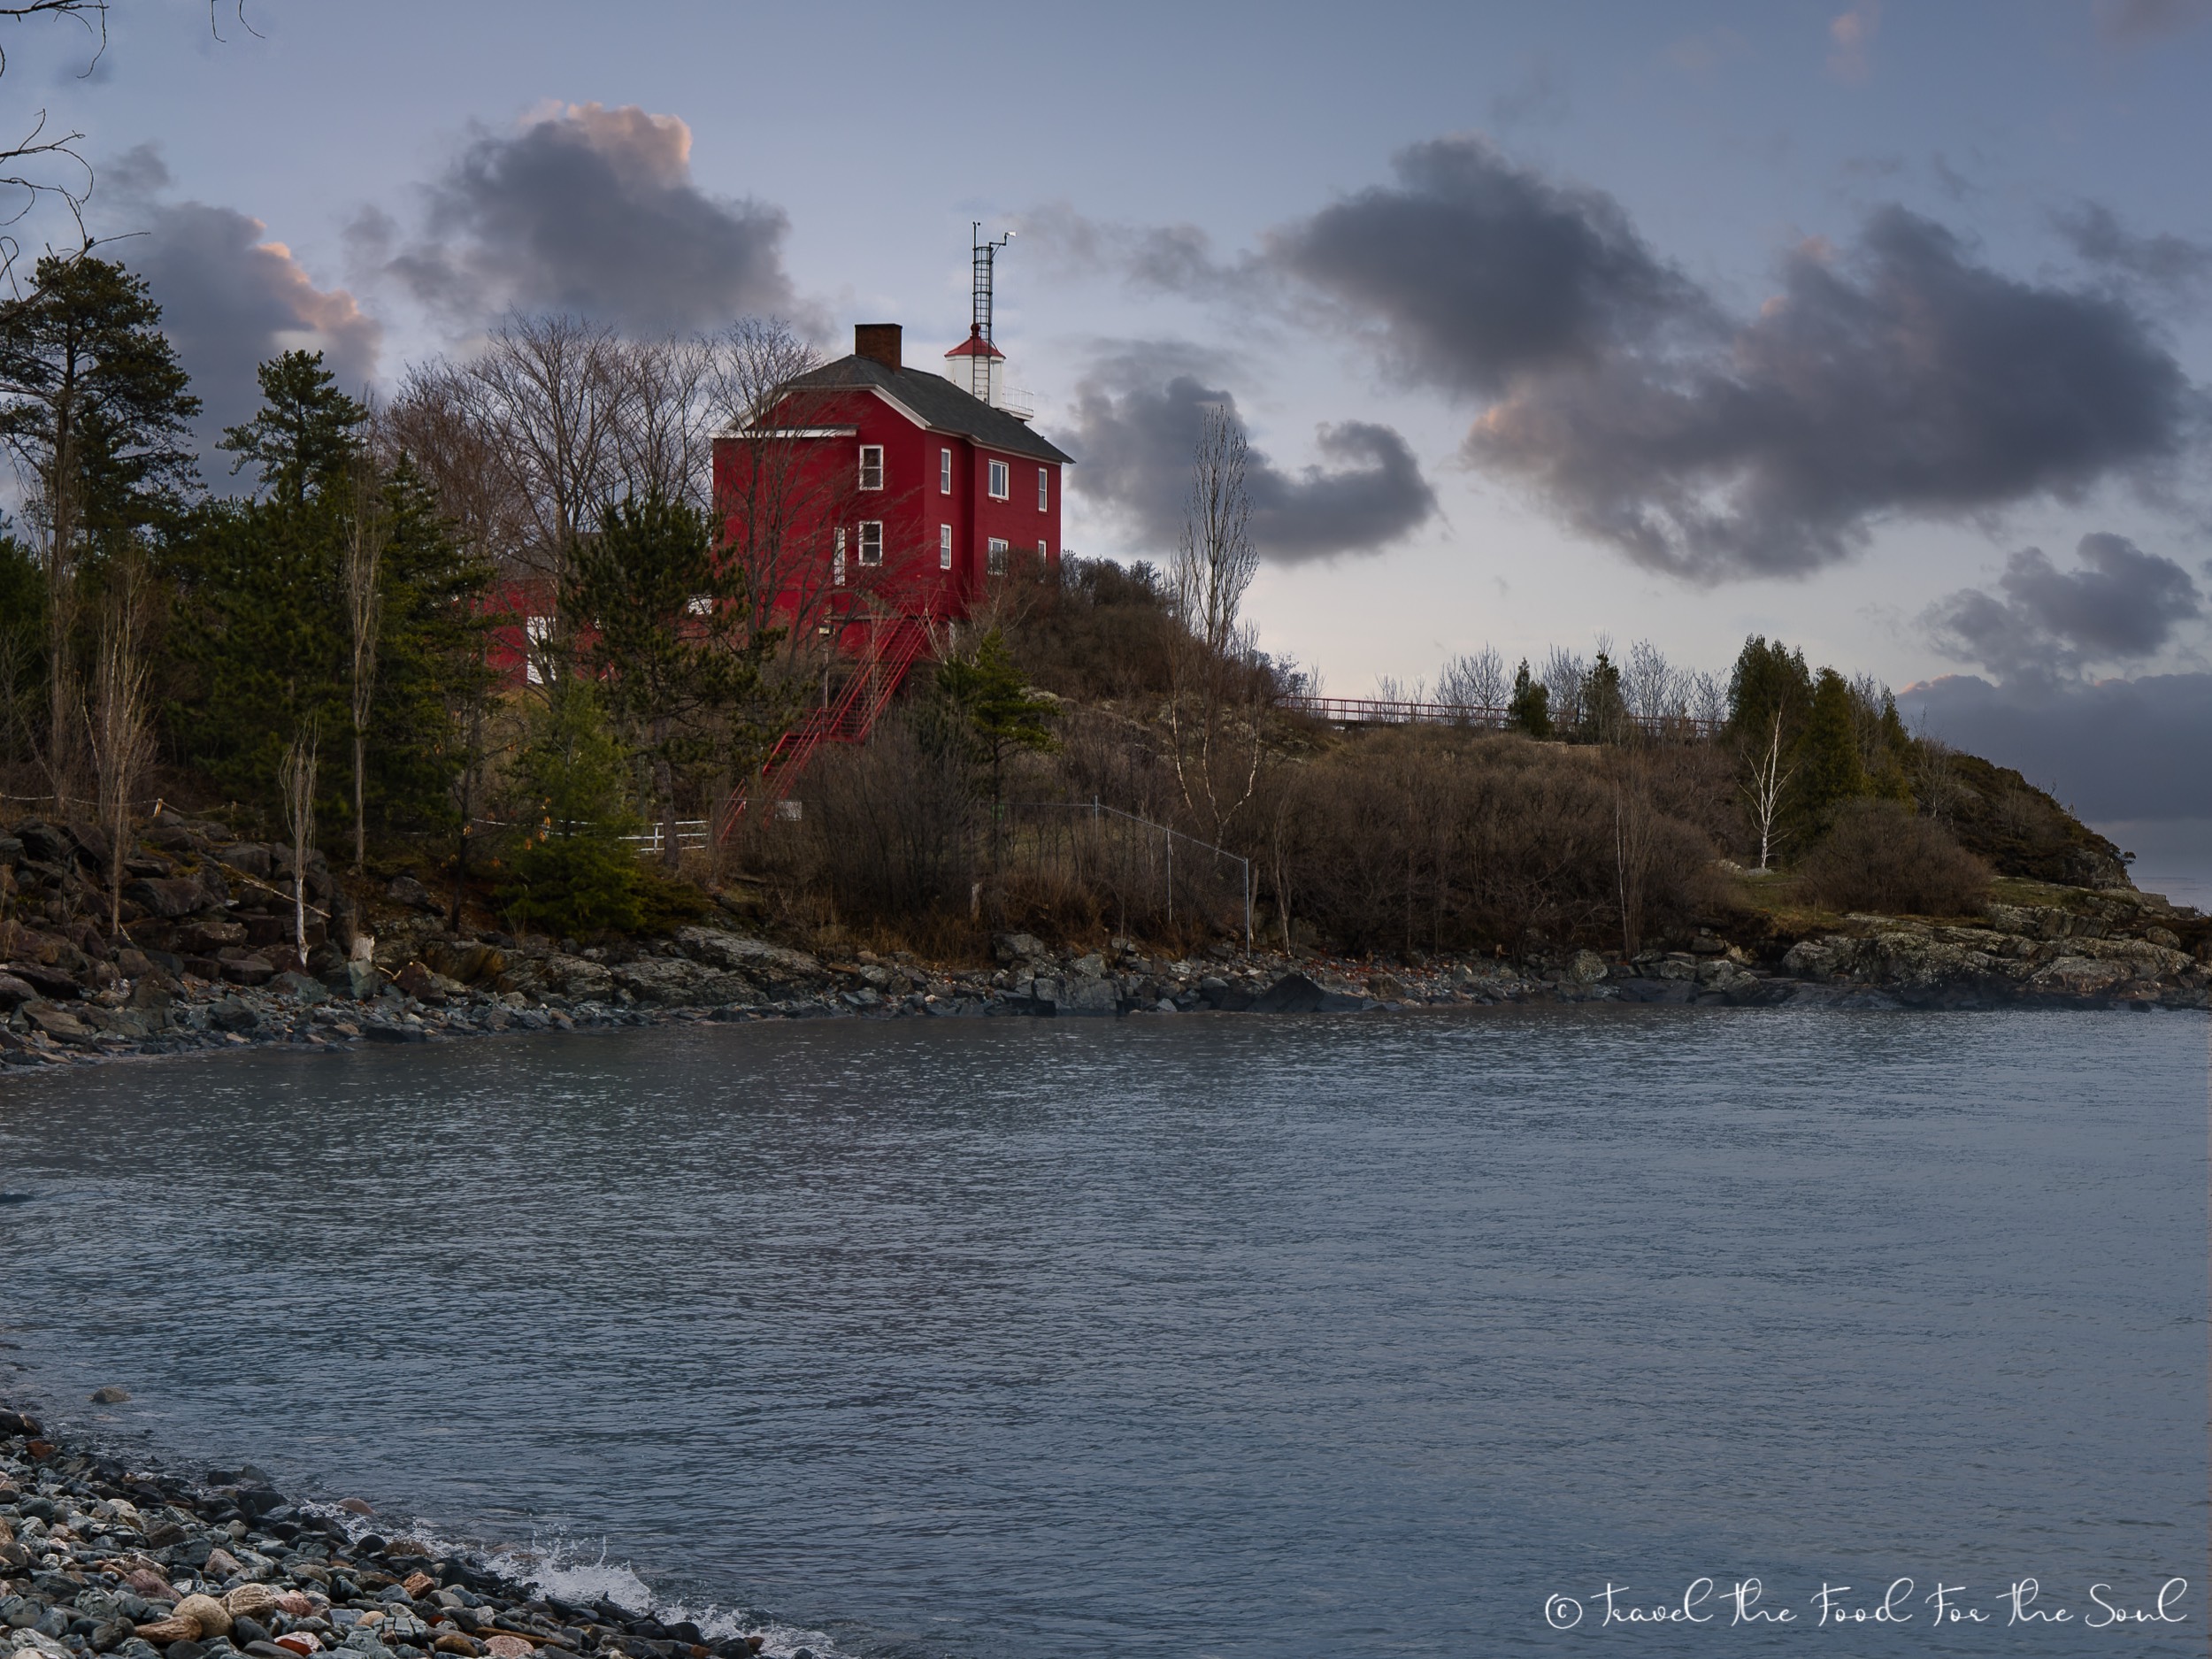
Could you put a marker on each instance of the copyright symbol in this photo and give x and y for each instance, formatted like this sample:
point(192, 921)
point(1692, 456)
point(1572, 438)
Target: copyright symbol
point(1561, 1612)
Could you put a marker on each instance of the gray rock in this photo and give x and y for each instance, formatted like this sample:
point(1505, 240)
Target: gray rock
point(738, 953)
point(674, 982)
point(408, 891)
point(233, 1013)
point(1012, 948)
point(299, 987)
point(169, 897)
point(1091, 997)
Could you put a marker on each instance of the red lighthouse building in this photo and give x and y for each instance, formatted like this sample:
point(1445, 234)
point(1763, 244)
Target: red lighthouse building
point(923, 488)
point(873, 502)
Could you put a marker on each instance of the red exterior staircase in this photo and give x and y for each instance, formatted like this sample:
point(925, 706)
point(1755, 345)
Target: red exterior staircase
point(892, 649)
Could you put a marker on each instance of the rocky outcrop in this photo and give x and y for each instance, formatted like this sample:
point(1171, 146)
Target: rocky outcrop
point(91, 1551)
point(209, 959)
point(2097, 948)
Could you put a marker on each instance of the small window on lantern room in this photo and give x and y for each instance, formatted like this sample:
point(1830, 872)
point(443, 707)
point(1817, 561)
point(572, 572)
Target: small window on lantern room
point(871, 466)
point(1044, 490)
point(1001, 484)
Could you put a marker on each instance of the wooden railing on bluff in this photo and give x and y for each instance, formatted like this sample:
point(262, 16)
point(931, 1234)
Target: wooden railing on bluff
point(1396, 711)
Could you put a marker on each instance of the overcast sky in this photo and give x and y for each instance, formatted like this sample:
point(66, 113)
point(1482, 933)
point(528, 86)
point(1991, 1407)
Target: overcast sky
point(1880, 327)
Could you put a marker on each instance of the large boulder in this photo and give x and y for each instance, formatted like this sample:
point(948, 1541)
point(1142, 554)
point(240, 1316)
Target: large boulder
point(408, 891)
point(252, 857)
point(738, 953)
point(168, 897)
point(57, 1023)
point(46, 844)
point(1081, 994)
point(673, 982)
point(1013, 948)
point(47, 982)
point(576, 976)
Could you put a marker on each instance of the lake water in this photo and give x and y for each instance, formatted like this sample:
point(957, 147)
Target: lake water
point(1230, 1337)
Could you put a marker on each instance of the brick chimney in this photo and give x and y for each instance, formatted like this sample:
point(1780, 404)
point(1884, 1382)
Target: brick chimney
point(877, 342)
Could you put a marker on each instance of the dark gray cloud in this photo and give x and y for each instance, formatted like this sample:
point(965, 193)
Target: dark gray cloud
point(2130, 22)
point(594, 211)
point(2122, 604)
point(229, 298)
point(2114, 748)
point(2172, 264)
point(1477, 271)
point(1137, 423)
point(1900, 377)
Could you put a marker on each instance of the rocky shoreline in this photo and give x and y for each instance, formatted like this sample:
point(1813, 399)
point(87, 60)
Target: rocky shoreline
point(209, 920)
point(101, 1556)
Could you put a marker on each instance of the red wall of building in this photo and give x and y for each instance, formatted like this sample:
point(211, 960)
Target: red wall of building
point(912, 507)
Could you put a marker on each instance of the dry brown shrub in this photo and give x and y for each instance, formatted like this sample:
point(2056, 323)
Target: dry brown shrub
point(1880, 857)
point(1433, 839)
point(890, 828)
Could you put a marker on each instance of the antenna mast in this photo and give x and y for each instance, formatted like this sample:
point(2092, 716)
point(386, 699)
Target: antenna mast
point(983, 253)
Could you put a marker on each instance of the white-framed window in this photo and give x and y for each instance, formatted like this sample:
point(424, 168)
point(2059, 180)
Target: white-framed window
point(944, 547)
point(871, 541)
point(1001, 484)
point(995, 554)
point(1044, 556)
point(944, 471)
point(1044, 490)
point(837, 560)
point(699, 606)
point(871, 466)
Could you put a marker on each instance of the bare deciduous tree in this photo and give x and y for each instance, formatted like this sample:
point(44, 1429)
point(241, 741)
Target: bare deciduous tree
point(1633, 821)
point(1477, 679)
point(120, 723)
point(1566, 675)
point(1215, 700)
point(367, 529)
point(1653, 688)
point(1763, 787)
point(778, 497)
point(24, 181)
point(296, 779)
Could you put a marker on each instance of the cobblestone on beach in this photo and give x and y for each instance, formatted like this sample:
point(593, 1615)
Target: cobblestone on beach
point(97, 1556)
point(205, 963)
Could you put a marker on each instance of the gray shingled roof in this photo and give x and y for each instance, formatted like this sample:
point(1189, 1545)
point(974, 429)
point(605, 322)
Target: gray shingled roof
point(940, 403)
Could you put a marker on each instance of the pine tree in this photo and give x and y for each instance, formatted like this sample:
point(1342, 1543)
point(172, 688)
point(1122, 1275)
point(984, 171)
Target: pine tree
point(1530, 710)
point(668, 633)
point(95, 410)
point(1769, 678)
point(574, 874)
point(1828, 768)
point(1604, 712)
point(993, 713)
point(306, 432)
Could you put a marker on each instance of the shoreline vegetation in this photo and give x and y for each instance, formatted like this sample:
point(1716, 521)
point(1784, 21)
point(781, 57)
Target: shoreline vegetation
point(426, 734)
point(71, 999)
point(102, 1556)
